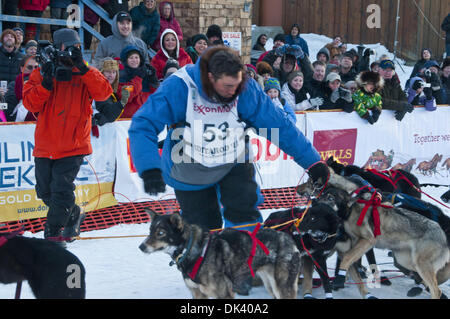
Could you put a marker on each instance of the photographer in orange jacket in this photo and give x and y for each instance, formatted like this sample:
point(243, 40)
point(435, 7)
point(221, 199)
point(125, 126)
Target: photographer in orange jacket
point(61, 91)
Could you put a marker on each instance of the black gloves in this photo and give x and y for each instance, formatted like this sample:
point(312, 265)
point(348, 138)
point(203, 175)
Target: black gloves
point(399, 115)
point(319, 173)
point(77, 58)
point(409, 107)
point(376, 114)
point(153, 182)
point(47, 72)
point(428, 93)
point(417, 85)
point(369, 118)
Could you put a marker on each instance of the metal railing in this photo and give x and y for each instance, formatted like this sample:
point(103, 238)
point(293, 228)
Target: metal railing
point(81, 24)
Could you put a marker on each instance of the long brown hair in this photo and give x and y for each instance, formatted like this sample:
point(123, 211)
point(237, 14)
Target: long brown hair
point(219, 61)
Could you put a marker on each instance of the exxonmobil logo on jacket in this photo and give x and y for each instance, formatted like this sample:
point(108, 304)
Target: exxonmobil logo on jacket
point(203, 109)
point(340, 144)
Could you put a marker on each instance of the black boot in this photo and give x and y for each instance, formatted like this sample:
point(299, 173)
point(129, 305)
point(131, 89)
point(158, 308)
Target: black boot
point(54, 233)
point(72, 228)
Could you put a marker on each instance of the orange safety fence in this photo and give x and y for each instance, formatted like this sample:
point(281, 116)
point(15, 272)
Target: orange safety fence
point(133, 213)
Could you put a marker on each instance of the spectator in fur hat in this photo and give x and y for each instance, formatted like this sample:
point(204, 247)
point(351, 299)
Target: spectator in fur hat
point(264, 69)
point(109, 110)
point(367, 100)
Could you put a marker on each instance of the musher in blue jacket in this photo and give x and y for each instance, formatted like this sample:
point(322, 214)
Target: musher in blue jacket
point(207, 108)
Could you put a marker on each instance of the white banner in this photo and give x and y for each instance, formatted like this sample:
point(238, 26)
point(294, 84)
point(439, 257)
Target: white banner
point(129, 186)
point(17, 178)
point(420, 143)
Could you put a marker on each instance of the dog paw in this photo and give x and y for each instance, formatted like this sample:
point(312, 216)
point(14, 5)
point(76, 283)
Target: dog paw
point(415, 291)
point(339, 282)
point(308, 296)
point(369, 296)
point(385, 281)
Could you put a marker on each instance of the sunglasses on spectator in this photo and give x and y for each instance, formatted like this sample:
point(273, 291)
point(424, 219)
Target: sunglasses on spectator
point(32, 67)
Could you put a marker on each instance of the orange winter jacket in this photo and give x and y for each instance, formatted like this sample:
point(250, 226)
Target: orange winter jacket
point(64, 123)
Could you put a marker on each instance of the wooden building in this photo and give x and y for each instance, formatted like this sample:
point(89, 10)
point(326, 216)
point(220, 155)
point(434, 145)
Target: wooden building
point(419, 25)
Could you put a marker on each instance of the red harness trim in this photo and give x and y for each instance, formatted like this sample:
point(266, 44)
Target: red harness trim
point(3, 241)
point(199, 261)
point(374, 202)
point(385, 175)
point(255, 242)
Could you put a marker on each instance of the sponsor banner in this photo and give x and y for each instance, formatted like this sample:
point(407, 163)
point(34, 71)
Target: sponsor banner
point(129, 186)
point(276, 169)
point(17, 178)
point(420, 143)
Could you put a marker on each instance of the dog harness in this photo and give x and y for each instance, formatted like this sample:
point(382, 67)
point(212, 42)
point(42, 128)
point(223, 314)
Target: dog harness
point(255, 243)
point(392, 176)
point(375, 203)
point(4, 239)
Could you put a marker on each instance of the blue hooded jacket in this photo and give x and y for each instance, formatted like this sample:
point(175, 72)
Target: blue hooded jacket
point(167, 106)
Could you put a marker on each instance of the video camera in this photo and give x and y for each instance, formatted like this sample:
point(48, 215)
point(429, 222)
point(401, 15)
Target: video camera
point(48, 54)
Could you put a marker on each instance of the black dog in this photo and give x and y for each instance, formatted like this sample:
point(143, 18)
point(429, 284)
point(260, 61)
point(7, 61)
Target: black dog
point(315, 238)
point(401, 183)
point(51, 271)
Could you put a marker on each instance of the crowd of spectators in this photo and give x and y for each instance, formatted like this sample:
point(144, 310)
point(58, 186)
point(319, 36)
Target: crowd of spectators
point(145, 43)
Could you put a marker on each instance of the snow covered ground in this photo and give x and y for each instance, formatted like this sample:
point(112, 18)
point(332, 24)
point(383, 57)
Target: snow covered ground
point(117, 269)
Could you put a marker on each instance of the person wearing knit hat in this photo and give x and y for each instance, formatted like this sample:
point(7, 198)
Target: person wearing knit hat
point(19, 34)
point(199, 43)
point(214, 35)
point(31, 48)
point(334, 96)
point(294, 92)
point(170, 68)
point(273, 90)
point(111, 109)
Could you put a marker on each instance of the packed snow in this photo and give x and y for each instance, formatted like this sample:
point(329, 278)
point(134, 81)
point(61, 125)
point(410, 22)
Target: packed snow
point(117, 269)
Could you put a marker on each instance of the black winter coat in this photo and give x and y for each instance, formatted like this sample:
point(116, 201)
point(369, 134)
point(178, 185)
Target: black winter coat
point(394, 98)
point(9, 64)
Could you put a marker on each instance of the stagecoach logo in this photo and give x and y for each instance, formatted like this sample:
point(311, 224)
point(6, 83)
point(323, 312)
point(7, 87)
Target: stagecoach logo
point(202, 109)
point(340, 144)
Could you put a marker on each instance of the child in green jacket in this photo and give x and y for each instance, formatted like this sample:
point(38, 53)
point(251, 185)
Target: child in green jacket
point(367, 100)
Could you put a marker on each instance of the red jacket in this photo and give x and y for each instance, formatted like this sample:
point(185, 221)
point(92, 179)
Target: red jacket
point(160, 59)
point(164, 24)
point(35, 5)
point(135, 100)
point(63, 126)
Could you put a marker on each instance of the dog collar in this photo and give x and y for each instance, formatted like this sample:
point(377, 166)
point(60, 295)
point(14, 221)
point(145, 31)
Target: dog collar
point(182, 256)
